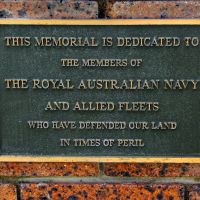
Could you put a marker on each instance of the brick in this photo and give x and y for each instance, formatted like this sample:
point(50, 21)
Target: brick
point(8, 192)
point(151, 170)
point(60, 191)
point(102, 191)
point(49, 169)
point(49, 9)
point(194, 192)
point(153, 9)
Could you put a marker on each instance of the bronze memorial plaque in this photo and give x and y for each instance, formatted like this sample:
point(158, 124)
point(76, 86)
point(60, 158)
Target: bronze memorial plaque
point(100, 90)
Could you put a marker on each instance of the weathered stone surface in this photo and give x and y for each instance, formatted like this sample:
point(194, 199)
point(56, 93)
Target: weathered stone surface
point(101, 191)
point(153, 9)
point(49, 169)
point(8, 192)
point(194, 192)
point(49, 9)
point(151, 170)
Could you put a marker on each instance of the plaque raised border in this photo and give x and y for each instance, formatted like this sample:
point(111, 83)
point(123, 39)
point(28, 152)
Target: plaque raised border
point(114, 22)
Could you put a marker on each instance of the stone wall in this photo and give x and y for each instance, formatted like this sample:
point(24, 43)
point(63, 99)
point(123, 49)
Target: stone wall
point(116, 181)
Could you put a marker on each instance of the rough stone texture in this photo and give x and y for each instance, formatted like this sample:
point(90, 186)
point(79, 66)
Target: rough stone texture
point(194, 192)
point(49, 9)
point(102, 191)
point(49, 169)
point(7, 192)
point(153, 9)
point(151, 170)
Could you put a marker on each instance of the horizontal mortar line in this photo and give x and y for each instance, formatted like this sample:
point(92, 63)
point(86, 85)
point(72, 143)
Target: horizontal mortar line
point(103, 180)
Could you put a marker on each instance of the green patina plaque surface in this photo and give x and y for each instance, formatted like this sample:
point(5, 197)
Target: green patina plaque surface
point(179, 105)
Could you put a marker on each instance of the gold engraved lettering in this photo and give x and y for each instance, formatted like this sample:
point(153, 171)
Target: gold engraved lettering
point(65, 41)
point(138, 106)
point(87, 142)
point(65, 142)
point(57, 106)
point(130, 143)
point(104, 84)
point(16, 83)
point(70, 62)
point(94, 106)
point(180, 84)
point(17, 41)
point(148, 41)
point(63, 124)
point(55, 84)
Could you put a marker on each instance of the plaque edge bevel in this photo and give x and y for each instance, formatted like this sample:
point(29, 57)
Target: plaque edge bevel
point(104, 22)
point(102, 159)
